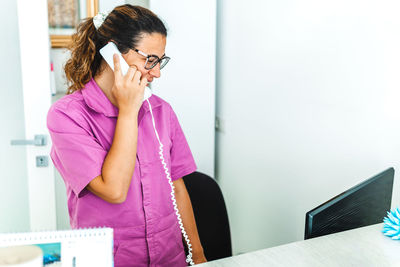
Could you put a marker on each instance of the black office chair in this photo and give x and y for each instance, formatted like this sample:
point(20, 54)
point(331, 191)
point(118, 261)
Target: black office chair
point(210, 215)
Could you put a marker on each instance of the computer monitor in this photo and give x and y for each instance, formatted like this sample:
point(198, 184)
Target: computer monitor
point(364, 204)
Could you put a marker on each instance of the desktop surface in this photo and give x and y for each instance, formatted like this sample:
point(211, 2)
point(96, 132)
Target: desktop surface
point(365, 246)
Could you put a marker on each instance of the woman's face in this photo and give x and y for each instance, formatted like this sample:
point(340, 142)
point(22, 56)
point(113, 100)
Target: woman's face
point(150, 44)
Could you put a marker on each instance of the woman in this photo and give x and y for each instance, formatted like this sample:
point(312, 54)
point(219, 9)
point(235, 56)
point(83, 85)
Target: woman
point(105, 147)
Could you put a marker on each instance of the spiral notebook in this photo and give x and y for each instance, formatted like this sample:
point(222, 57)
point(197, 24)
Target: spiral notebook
point(69, 248)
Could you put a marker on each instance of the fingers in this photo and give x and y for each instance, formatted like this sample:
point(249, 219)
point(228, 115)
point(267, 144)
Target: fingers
point(131, 72)
point(143, 82)
point(136, 77)
point(118, 71)
point(117, 67)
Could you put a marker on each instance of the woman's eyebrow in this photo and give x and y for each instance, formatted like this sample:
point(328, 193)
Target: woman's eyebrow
point(157, 56)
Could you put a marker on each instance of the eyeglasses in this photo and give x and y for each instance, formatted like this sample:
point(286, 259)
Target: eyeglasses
point(153, 60)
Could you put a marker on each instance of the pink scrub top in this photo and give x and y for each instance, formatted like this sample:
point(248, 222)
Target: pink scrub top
point(146, 231)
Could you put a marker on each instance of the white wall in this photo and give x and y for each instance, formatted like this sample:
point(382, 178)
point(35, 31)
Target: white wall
point(188, 81)
point(307, 92)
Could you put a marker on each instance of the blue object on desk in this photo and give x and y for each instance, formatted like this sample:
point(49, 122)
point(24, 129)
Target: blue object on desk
point(391, 224)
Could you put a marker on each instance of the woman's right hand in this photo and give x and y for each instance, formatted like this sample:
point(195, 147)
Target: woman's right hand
point(128, 89)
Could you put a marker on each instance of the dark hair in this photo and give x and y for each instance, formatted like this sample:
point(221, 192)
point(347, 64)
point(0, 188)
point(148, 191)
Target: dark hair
point(125, 25)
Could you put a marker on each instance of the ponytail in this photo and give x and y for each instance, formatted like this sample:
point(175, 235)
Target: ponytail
point(79, 69)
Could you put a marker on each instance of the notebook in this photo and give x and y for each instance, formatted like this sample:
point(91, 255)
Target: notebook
point(69, 248)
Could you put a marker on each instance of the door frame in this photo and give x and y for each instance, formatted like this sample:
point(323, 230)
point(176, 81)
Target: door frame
point(34, 46)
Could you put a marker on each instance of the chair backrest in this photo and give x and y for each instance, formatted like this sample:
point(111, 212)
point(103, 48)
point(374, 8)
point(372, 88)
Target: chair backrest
point(210, 215)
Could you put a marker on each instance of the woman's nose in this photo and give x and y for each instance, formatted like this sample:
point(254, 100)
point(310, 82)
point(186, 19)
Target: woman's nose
point(155, 71)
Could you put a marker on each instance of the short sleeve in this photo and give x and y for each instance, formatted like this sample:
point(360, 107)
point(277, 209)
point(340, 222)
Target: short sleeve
point(182, 161)
point(75, 152)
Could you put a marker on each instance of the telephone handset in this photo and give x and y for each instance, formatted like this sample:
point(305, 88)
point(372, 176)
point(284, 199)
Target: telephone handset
point(108, 52)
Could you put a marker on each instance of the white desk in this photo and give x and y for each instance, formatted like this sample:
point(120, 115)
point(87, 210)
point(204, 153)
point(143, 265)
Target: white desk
point(361, 247)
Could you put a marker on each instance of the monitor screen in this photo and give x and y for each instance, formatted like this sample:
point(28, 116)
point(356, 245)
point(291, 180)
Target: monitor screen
point(364, 204)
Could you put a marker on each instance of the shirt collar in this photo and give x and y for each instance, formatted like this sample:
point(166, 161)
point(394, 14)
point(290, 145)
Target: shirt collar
point(96, 99)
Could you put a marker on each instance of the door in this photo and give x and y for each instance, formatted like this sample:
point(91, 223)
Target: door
point(27, 198)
